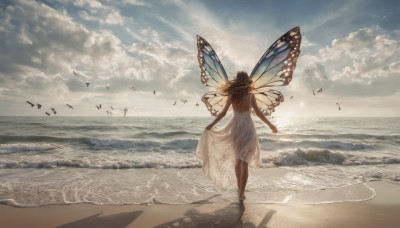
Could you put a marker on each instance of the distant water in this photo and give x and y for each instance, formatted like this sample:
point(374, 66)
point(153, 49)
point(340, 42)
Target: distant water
point(104, 160)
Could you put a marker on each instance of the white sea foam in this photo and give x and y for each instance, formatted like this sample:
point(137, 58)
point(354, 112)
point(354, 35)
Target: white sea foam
point(172, 186)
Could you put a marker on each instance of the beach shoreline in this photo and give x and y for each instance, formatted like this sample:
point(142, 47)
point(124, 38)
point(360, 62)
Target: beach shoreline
point(381, 211)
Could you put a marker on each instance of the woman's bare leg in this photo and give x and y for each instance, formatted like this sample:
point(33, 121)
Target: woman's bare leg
point(243, 178)
point(238, 172)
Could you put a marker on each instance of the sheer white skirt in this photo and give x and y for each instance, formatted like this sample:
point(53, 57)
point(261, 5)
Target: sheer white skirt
point(218, 149)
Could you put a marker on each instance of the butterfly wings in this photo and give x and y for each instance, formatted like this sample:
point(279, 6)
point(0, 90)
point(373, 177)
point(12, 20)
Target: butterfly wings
point(212, 74)
point(275, 68)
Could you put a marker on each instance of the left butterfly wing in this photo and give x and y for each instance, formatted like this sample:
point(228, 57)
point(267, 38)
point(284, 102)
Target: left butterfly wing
point(275, 68)
point(212, 72)
point(215, 102)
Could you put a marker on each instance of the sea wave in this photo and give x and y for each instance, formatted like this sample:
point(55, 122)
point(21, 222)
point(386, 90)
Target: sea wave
point(297, 136)
point(173, 159)
point(185, 145)
point(303, 157)
point(316, 156)
point(26, 147)
point(96, 143)
point(143, 145)
point(324, 144)
point(123, 164)
point(157, 134)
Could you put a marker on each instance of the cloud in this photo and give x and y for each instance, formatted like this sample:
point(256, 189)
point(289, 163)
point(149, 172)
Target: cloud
point(163, 52)
point(113, 16)
point(305, 43)
point(51, 44)
point(364, 63)
point(136, 2)
point(85, 16)
point(88, 3)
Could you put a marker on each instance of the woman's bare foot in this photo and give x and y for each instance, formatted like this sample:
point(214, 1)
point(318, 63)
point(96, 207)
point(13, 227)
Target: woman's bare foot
point(242, 197)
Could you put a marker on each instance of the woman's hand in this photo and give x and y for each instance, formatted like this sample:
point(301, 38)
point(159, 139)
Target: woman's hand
point(209, 127)
point(273, 128)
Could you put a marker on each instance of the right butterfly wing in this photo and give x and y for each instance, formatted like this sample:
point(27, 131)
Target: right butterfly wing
point(212, 72)
point(275, 68)
point(215, 102)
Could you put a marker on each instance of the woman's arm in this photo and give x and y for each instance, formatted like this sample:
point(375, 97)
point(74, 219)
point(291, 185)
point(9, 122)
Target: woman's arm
point(261, 115)
point(221, 115)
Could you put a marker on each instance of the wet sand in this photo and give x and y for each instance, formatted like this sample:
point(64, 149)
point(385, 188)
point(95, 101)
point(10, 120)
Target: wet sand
point(381, 211)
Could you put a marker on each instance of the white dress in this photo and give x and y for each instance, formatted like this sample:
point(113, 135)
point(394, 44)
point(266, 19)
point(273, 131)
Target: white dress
point(218, 149)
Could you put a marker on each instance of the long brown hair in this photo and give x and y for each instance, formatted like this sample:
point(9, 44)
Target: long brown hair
point(238, 87)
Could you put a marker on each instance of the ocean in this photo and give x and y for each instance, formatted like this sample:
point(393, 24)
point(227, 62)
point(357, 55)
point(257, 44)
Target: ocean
point(151, 160)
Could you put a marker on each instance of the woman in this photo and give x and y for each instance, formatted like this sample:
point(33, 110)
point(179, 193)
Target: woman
point(236, 143)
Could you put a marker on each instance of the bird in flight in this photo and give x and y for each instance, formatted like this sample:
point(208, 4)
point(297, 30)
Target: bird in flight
point(30, 103)
point(47, 113)
point(39, 106)
point(338, 105)
point(291, 97)
point(319, 91)
point(184, 101)
point(70, 106)
point(54, 111)
point(154, 92)
point(174, 103)
point(313, 92)
point(87, 84)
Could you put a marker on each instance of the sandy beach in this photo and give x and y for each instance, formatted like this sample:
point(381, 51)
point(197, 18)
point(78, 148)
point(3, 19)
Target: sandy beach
point(381, 211)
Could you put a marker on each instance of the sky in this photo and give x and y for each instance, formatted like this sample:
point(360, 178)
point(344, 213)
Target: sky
point(350, 49)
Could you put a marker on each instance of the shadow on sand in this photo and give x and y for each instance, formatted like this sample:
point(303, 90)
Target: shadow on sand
point(232, 215)
point(111, 221)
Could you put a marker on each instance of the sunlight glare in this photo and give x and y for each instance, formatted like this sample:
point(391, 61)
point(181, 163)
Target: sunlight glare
point(283, 121)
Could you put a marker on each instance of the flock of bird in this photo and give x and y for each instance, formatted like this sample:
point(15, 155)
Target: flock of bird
point(99, 107)
point(125, 110)
point(320, 91)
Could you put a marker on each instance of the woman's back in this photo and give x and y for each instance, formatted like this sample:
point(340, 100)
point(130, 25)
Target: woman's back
point(243, 105)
